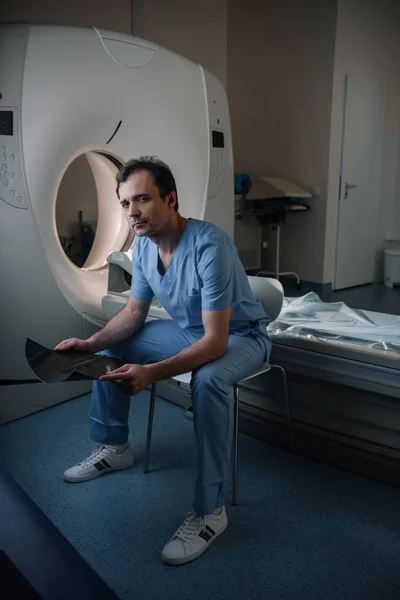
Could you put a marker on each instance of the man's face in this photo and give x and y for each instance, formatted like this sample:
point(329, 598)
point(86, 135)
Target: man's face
point(147, 213)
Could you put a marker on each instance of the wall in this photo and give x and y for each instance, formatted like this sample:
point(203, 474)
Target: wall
point(280, 79)
point(98, 13)
point(195, 29)
point(367, 43)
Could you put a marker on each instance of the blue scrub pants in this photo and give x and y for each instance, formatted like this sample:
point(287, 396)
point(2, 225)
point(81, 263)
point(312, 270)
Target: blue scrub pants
point(211, 398)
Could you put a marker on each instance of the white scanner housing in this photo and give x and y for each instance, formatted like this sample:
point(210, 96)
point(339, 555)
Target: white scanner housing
point(68, 91)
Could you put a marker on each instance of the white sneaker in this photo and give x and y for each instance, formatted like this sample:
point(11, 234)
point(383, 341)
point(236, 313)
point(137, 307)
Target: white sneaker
point(194, 537)
point(102, 460)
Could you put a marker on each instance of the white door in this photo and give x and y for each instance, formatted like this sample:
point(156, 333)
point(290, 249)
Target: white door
point(362, 147)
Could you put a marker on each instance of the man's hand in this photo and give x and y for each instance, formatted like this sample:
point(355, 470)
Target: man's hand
point(74, 345)
point(131, 379)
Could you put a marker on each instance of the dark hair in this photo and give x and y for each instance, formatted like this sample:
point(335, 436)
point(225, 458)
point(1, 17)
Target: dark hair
point(161, 174)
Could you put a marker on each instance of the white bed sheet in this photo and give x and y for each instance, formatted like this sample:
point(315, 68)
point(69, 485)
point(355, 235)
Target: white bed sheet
point(308, 317)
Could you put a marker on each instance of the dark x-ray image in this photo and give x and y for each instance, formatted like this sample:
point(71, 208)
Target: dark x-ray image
point(51, 366)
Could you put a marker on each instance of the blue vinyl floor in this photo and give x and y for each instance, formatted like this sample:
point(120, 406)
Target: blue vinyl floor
point(303, 530)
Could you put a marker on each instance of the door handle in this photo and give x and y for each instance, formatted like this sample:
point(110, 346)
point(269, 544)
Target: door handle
point(347, 187)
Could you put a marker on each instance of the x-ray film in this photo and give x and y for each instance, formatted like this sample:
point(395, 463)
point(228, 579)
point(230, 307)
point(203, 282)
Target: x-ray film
point(52, 366)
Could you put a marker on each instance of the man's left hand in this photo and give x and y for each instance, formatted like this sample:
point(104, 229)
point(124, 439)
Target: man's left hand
point(131, 379)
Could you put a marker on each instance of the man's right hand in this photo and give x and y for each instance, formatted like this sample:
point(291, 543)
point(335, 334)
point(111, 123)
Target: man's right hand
point(74, 345)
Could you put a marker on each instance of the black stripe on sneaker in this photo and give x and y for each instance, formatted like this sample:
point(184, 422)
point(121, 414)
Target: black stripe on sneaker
point(99, 466)
point(210, 530)
point(105, 463)
point(206, 535)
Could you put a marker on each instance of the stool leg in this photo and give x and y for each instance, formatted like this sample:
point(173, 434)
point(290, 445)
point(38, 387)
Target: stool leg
point(287, 405)
point(150, 427)
point(235, 445)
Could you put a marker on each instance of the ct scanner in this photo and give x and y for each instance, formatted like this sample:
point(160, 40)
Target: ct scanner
point(67, 91)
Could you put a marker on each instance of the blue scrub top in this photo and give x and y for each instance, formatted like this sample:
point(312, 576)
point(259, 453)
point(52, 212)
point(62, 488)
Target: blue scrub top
point(205, 273)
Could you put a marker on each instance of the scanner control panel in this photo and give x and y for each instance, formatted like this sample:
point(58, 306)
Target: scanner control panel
point(11, 182)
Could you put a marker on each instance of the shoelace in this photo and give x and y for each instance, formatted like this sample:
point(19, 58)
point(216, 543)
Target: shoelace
point(191, 527)
point(95, 456)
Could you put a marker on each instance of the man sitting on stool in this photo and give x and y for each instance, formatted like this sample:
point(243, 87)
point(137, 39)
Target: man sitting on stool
point(218, 331)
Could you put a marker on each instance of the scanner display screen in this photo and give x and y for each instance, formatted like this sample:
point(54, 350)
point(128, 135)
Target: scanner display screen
point(218, 140)
point(6, 122)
